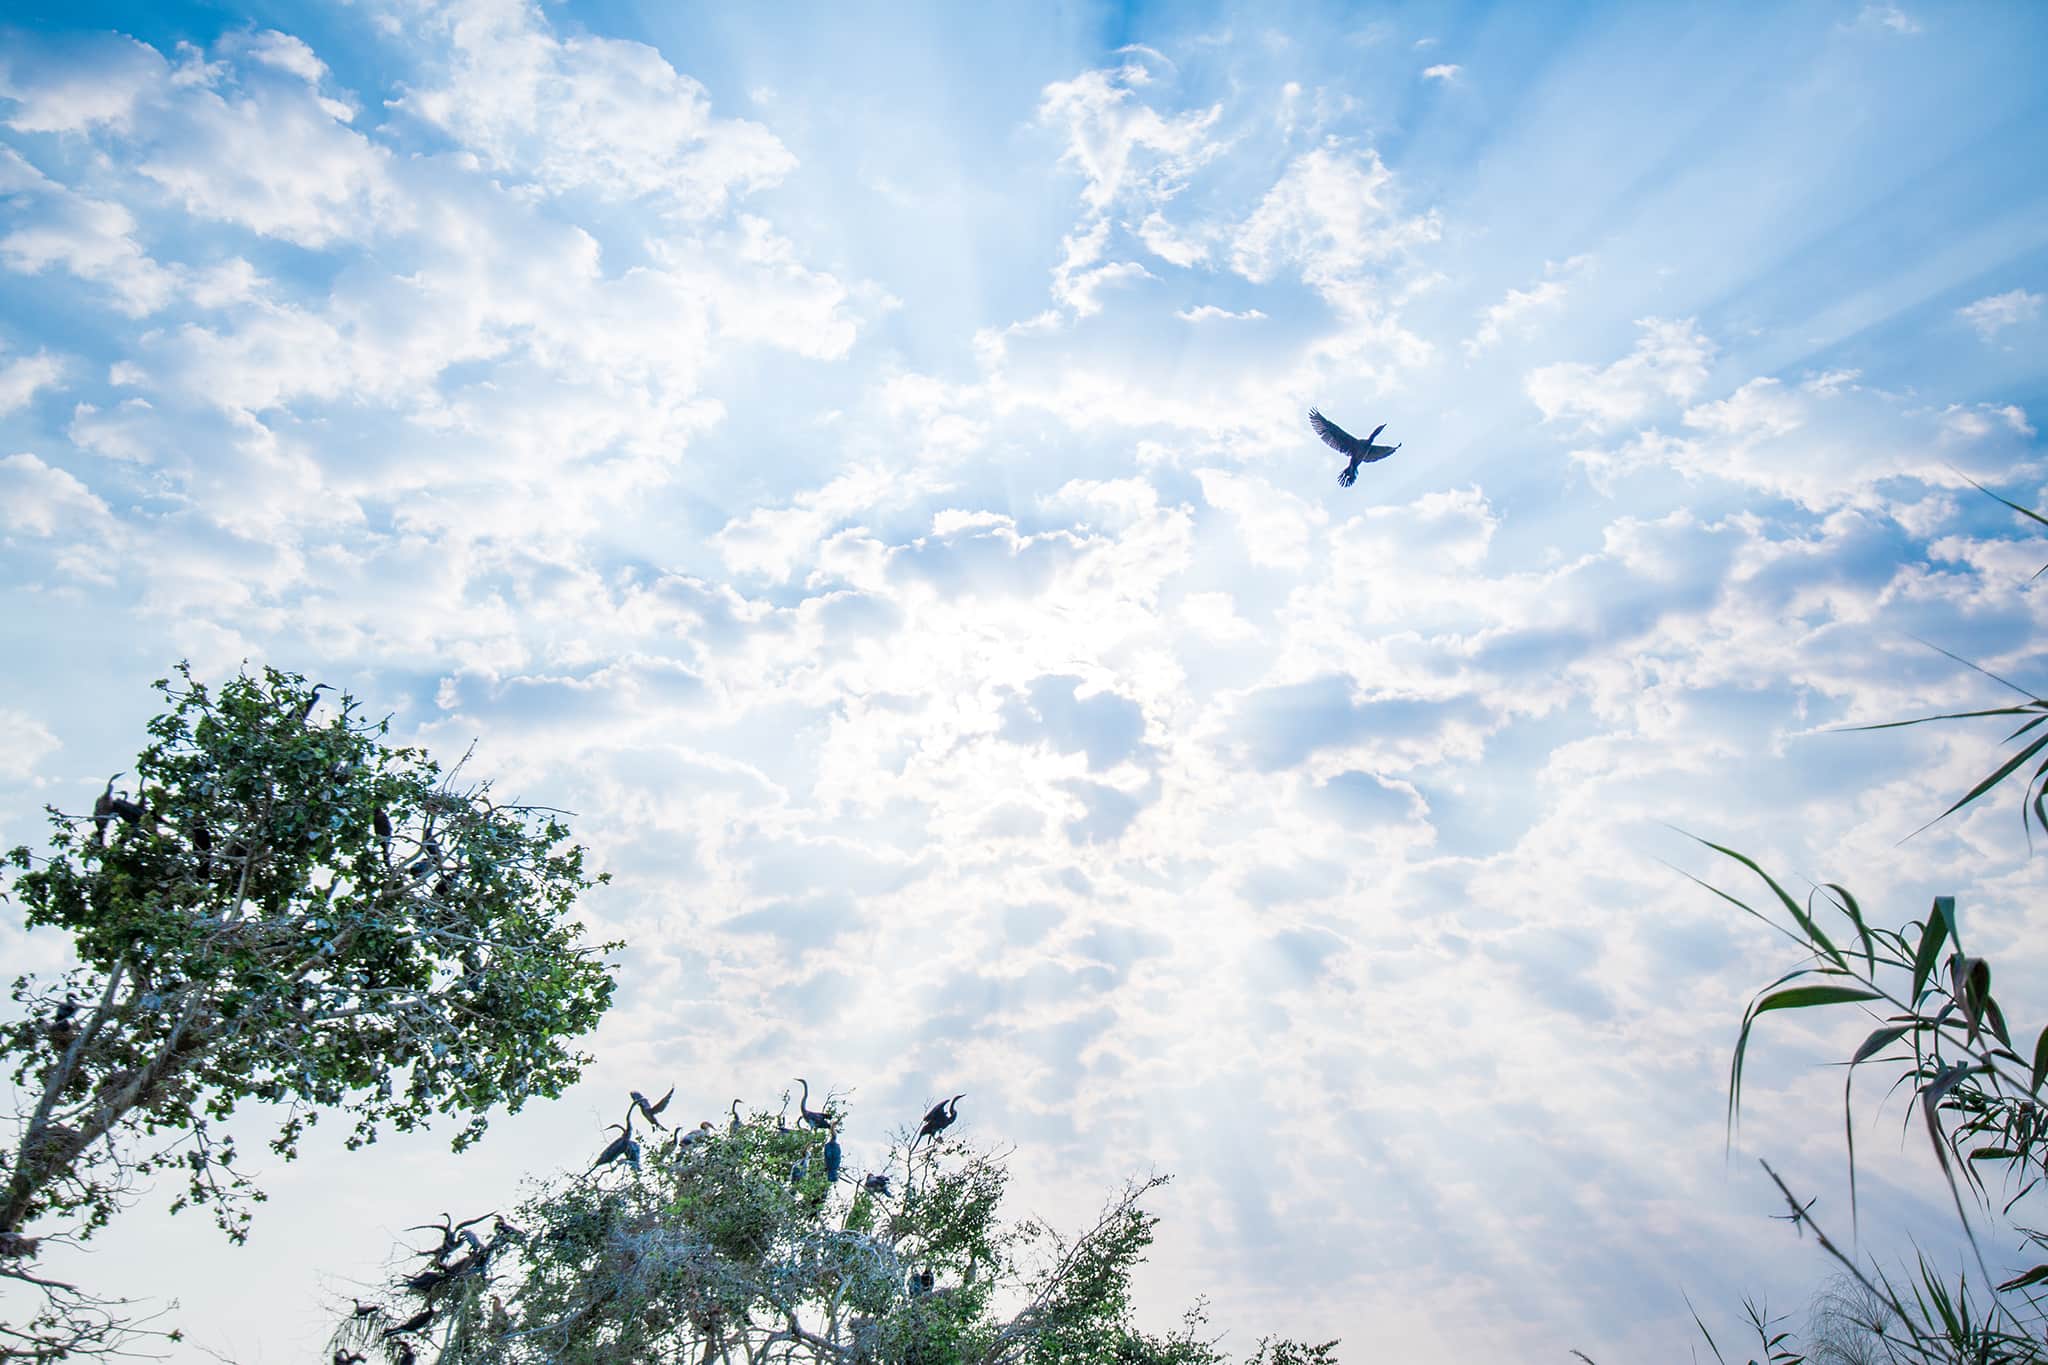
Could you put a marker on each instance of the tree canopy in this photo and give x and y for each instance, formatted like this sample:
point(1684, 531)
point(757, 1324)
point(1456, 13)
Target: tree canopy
point(283, 908)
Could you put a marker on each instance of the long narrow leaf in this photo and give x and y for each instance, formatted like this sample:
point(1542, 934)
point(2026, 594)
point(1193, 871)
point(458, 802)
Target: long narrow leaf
point(1798, 913)
point(1929, 953)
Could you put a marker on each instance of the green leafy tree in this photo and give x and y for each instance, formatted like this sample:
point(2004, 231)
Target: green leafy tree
point(285, 910)
point(735, 1246)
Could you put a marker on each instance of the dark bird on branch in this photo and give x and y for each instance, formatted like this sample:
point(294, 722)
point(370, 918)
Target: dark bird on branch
point(501, 1228)
point(380, 821)
point(621, 1146)
point(412, 1324)
point(1345, 444)
point(202, 844)
point(876, 1184)
point(832, 1156)
point(366, 1310)
point(103, 812)
point(63, 1032)
point(734, 1127)
point(811, 1116)
point(939, 1118)
point(312, 700)
point(651, 1110)
point(130, 812)
point(695, 1137)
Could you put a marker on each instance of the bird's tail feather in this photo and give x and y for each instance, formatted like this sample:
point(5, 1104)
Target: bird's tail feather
point(1348, 477)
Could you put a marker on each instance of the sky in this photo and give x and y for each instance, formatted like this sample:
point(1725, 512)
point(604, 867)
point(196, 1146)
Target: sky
point(855, 458)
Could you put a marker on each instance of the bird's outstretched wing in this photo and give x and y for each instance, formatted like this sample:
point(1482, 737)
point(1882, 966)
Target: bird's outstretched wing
point(1335, 437)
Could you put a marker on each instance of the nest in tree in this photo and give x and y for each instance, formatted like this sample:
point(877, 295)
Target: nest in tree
point(16, 1246)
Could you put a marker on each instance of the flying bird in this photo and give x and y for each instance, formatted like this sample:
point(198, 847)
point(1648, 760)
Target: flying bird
point(651, 1110)
point(1345, 444)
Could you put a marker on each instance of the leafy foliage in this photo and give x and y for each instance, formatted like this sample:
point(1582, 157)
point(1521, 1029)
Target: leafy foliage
point(736, 1247)
point(247, 930)
point(1978, 1089)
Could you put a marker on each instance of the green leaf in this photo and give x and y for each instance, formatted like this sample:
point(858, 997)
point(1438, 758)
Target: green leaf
point(1880, 1039)
point(1804, 997)
point(2038, 1275)
point(1930, 944)
point(2040, 1063)
point(1798, 912)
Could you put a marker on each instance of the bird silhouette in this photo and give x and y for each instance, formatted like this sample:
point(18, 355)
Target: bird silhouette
point(876, 1184)
point(651, 1110)
point(103, 812)
point(813, 1117)
point(621, 1146)
point(1345, 444)
point(939, 1118)
point(312, 700)
point(832, 1156)
point(734, 1128)
point(380, 821)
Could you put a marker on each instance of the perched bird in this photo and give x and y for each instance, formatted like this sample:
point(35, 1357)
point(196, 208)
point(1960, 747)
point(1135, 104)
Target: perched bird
point(734, 1127)
point(832, 1157)
point(202, 844)
point(411, 1324)
point(63, 1031)
point(366, 1310)
point(921, 1284)
point(876, 1184)
point(312, 700)
point(939, 1118)
point(651, 1110)
point(380, 821)
point(1345, 444)
point(803, 1106)
point(798, 1169)
point(621, 1146)
point(694, 1137)
point(501, 1228)
point(103, 812)
point(130, 812)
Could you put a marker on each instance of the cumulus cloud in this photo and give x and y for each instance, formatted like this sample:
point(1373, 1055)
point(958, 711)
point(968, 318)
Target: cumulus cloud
point(1446, 72)
point(1669, 363)
point(588, 112)
point(22, 377)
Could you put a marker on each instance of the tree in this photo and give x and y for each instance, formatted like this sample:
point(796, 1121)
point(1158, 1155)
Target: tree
point(715, 1249)
point(285, 910)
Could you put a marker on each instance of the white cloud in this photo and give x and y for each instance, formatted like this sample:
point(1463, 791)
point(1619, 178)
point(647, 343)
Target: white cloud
point(1995, 313)
point(24, 742)
point(1512, 311)
point(47, 502)
point(1209, 312)
point(93, 239)
point(1122, 146)
point(588, 112)
point(1669, 363)
point(1446, 72)
point(97, 83)
point(1890, 17)
point(22, 377)
point(1331, 215)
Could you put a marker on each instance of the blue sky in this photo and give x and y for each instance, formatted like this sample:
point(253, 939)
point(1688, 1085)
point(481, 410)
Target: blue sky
point(857, 462)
